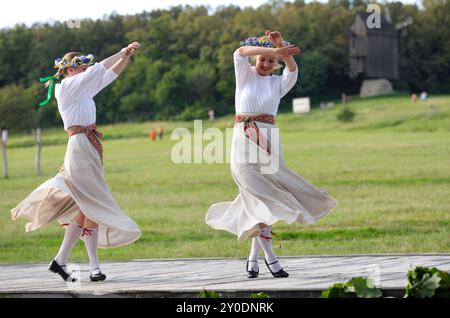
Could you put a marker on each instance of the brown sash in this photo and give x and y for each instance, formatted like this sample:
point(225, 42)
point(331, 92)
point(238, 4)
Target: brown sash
point(92, 134)
point(251, 130)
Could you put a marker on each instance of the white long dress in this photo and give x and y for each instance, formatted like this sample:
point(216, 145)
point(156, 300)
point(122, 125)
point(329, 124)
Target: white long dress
point(264, 197)
point(80, 184)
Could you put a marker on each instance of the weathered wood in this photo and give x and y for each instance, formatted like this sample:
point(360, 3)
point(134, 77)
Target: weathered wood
point(309, 275)
point(373, 52)
point(3, 143)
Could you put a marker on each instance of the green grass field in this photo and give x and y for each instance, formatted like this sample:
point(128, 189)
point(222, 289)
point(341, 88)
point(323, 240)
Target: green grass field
point(389, 169)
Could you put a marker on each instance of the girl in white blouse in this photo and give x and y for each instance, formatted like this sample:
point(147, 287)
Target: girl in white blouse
point(265, 196)
point(78, 196)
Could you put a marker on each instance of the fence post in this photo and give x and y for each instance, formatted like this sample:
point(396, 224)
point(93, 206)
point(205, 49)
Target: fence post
point(3, 143)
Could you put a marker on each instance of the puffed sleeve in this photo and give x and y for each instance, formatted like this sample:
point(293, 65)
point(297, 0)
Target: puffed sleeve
point(288, 80)
point(241, 68)
point(92, 81)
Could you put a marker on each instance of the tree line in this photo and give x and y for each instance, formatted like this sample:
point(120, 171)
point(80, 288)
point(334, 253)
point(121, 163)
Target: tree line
point(185, 65)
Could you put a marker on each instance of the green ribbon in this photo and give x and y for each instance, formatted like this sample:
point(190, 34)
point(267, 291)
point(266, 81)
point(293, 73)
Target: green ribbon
point(50, 89)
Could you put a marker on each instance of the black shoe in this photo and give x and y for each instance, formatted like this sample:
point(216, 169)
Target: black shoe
point(279, 274)
point(252, 273)
point(58, 269)
point(97, 277)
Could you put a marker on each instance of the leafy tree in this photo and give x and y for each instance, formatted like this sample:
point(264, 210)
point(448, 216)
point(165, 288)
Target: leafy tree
point(185, 65)
point(16, 111)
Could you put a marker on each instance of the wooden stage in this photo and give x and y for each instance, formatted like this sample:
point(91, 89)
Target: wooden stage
point(309, 275)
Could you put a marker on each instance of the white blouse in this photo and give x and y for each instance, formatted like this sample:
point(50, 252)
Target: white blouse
point(75, 95)
point(256, 93)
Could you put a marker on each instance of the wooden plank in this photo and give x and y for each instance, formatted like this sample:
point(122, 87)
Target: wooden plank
point(180, 277)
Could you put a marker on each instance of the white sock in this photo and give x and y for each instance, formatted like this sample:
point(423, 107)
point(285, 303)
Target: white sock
point(91, 242)
point(254, 254)
point(71, 236)
point(265, 240)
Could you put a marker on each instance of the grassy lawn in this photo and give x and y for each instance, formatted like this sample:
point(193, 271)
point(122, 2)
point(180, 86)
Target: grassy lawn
point(389, 170)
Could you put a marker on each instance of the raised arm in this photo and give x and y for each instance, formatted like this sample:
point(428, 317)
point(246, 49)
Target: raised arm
point(113, 59)
point(282, 52)
point(125, 55)
point(275, 38)
point(98, 76)
point(290, 63)
point(110, 61)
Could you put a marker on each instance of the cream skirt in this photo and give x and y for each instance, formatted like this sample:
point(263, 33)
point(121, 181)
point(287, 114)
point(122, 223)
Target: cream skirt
point(80, 185)
point(268, 190)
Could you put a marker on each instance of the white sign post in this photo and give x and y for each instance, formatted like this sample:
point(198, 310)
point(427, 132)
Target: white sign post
point(301, 105)
point(3, 143)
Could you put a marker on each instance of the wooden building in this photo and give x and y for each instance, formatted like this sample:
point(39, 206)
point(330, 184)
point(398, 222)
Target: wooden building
point(373, 52)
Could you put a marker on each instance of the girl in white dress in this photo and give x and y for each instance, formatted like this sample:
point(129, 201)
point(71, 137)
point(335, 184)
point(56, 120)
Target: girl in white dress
point(78, 196)
point(265, 195)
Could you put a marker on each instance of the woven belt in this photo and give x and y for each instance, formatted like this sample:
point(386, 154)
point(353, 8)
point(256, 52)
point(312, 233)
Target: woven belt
point(93, 135)
point(251, 130)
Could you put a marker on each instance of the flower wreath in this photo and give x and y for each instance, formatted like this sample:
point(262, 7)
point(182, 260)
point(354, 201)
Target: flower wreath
point(77, 60)
point(262, 42)
point(61, 64)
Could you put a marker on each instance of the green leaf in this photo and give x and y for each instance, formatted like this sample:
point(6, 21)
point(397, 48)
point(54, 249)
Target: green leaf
point(423, 287)
point(259, 295)
point(445, 279)
point(337, 290)
point(427, 282)
point(364, 288)
point(428, 285)
point(359, 286)
point(209, 294)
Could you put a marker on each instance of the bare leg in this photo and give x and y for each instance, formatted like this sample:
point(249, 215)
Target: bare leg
point(80, 218)
point(89, 224)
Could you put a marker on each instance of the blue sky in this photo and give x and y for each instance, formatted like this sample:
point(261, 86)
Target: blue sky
point(29, 12)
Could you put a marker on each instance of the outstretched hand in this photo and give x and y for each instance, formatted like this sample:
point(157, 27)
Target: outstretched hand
point(287, 51)
point(130, 49)
point(274, 37)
